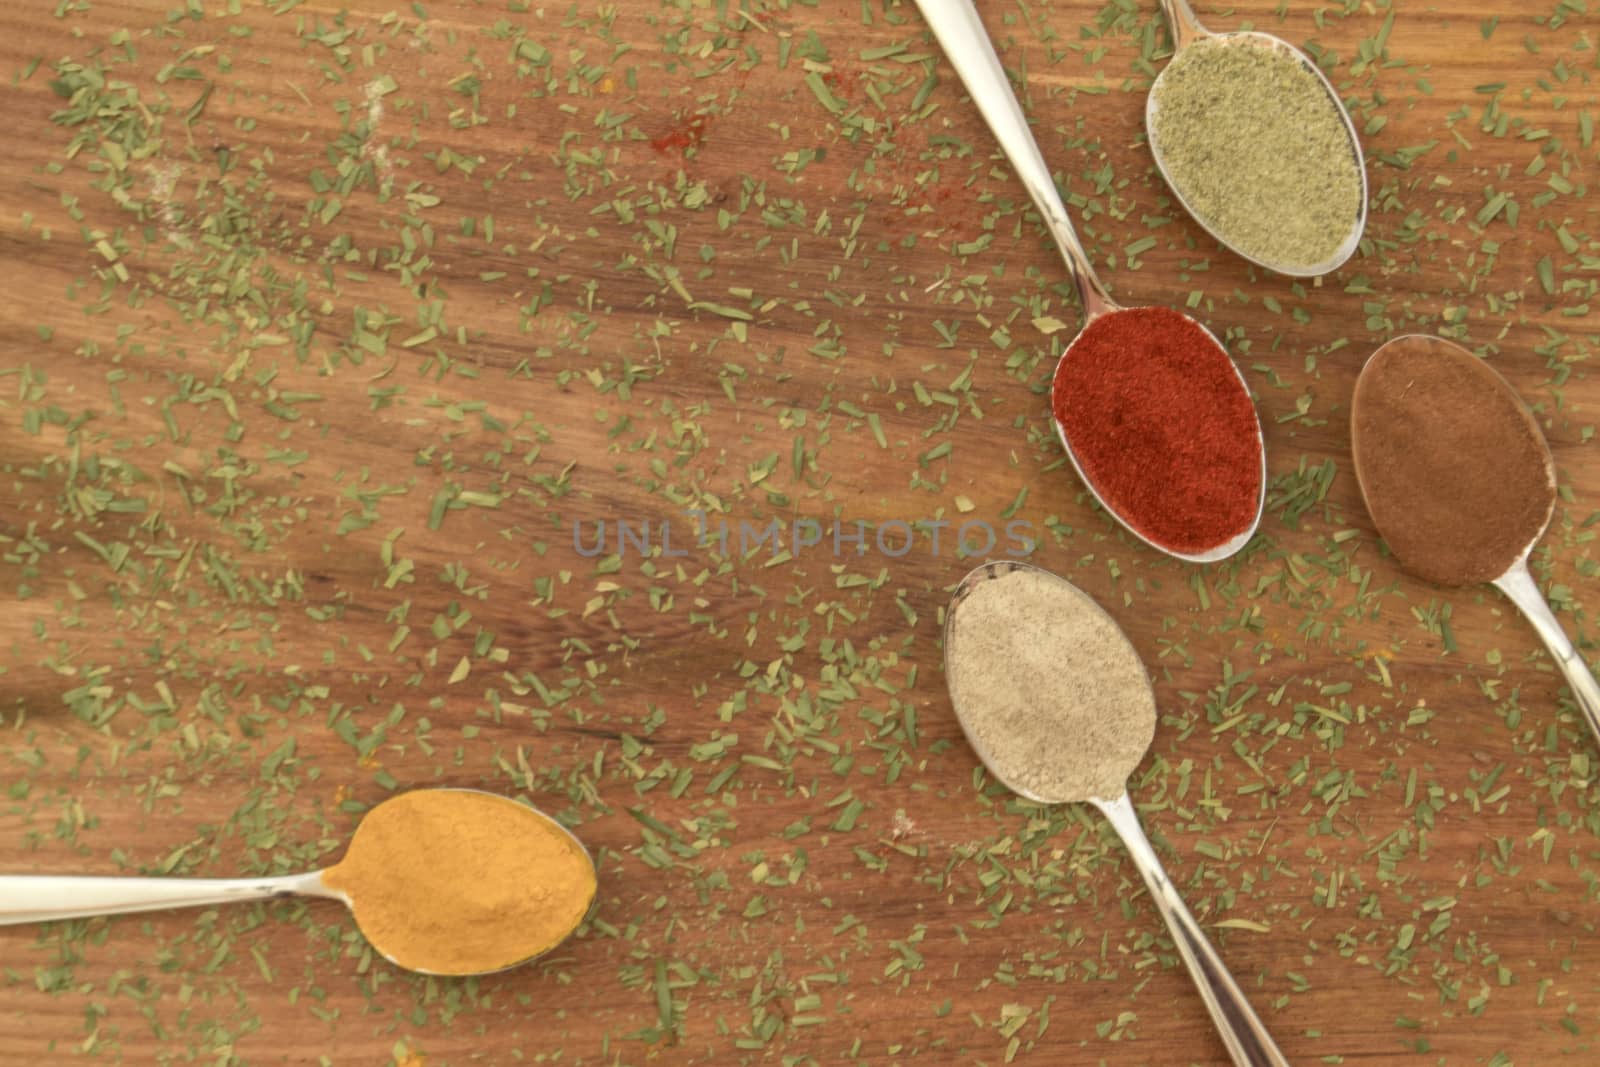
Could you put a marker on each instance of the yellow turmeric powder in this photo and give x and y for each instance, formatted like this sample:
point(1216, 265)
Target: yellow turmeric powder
point(454, 881)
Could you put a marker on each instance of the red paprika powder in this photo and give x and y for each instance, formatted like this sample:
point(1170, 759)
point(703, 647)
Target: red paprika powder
point(1162, 427)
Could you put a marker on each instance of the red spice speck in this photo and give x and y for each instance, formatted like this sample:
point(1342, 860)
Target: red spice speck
point(844, 80)
point(682, 136)
point(1162, 427)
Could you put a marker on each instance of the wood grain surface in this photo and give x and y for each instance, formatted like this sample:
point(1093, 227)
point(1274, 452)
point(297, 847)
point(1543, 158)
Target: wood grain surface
point(327, 325)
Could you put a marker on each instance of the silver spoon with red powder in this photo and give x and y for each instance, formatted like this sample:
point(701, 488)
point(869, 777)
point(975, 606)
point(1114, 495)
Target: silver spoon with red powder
point(1154, 415)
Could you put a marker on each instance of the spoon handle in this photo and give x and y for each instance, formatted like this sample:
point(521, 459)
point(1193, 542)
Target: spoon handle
point(1519, 587)
point(1185, 25)
point(1241, 1030)
point(28, 898)
point(961, 34)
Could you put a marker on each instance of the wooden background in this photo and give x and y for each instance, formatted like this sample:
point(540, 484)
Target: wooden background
point(326, 323)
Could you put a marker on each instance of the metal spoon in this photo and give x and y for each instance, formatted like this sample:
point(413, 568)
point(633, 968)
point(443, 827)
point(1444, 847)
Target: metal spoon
point(1519, 587)
point(962, 36)
point(30, 898)
point(1186, 29)
point(1516, 582)
point(1241, 1030)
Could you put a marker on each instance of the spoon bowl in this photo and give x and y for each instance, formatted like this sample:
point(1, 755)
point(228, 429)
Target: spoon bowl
point(1426, 469)
point(961, 34)
point(1186, 30)
point(30, 898)
point(1215, 554)
point(1244, 1035)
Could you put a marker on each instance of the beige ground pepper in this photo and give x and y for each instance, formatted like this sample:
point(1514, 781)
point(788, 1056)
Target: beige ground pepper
point(1049, 689)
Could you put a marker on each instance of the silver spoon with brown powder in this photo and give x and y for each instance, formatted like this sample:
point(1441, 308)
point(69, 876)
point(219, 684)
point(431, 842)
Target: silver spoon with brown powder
point(1057, 704)
point(1459, 481)
point(1258, 147)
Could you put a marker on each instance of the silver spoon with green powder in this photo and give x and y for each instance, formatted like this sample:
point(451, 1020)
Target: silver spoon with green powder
point(1057, 704)
point(1258, 147)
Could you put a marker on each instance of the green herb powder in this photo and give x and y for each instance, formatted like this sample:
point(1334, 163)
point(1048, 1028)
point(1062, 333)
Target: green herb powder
point(1257, 149)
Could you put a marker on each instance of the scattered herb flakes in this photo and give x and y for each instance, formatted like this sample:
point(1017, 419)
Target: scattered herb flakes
point(424, 387)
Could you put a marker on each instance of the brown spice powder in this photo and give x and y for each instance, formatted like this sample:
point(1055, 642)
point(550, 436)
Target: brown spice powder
point(1453, 468)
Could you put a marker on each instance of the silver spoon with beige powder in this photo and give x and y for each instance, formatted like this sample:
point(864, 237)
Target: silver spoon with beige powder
point(1057, 704)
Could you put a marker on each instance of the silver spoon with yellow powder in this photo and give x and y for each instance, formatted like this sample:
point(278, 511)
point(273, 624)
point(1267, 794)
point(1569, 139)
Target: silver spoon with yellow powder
point(1057, 704)
point(441, 881)
point(1258, 147)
